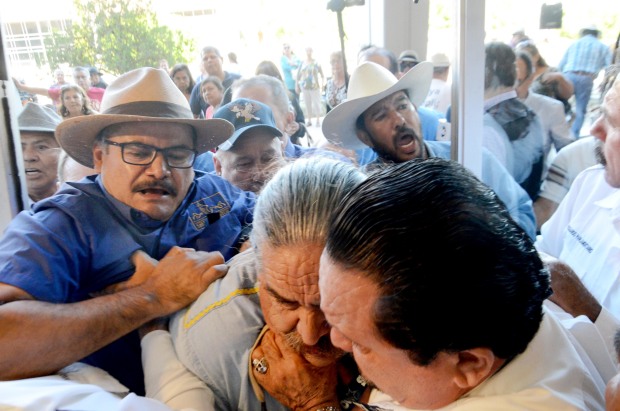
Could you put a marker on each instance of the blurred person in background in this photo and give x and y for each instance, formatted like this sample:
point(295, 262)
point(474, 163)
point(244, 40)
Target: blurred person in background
point(95, 78)
point(581, 63)
point(336, 85)
point(547, 80)
point(289, 63)
point(74, 102)
point(212, 92)
point(295, 133)
point(309, 83)
point(183, 79)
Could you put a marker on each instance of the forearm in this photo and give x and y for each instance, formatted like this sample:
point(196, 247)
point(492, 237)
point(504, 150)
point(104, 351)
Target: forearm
point(166, 378)
point(543, 208)
point(34, 90)
point(565, 88)
point(39, 338)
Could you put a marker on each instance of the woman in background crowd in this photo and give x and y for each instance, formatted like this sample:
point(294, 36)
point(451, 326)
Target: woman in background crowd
point(336, 86)
point(213, 93)
point(547, 80)
point(309, 83)
point(183, 79)
point(74, 102)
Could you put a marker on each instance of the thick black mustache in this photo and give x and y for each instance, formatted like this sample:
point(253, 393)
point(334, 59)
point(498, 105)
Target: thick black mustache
point(156, 185)
point(406, 130)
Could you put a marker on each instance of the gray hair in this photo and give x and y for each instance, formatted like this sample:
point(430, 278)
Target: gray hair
point(296, 205)
point(279, 93)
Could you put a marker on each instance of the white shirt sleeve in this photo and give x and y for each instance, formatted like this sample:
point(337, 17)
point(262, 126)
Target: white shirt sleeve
point(168, 380)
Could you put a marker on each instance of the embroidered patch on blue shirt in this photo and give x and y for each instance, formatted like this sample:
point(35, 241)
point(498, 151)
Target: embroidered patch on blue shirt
point(208, 210)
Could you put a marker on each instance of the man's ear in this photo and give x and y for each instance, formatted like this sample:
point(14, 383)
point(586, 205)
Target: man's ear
point(474, 366)
point(217, 164)
point(98, 157)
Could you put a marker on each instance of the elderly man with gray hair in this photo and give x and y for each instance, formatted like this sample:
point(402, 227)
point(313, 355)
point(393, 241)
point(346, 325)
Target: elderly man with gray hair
point(268, 301)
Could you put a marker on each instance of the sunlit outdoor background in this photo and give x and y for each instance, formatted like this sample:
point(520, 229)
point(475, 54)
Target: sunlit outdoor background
point(256, 29)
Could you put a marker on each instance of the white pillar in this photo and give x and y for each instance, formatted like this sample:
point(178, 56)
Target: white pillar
point(399, 25)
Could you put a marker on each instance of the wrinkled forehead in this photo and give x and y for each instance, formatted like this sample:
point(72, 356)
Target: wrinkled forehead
point(43, 136)
point(291, 272)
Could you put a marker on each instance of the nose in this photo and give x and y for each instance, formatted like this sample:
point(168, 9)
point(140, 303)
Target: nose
point(398, 120)
point(312, 325)
point(29, 153)
point(340, 341)
point(159, 167)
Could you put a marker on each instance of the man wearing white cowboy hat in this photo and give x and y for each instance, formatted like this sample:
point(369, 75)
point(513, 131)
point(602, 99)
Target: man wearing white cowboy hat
point(146, 202)
point(380, 112)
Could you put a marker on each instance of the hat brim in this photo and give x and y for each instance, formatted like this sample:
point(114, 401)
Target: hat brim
point(228, 144)
point(77, 135)
point(38, 129)
point(339, 124)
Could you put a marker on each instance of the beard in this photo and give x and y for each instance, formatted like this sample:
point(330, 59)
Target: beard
point(386, 154)
point(598, 153)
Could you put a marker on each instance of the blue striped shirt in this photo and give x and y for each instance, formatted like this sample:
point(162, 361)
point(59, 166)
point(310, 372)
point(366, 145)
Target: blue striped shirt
point(586, 54)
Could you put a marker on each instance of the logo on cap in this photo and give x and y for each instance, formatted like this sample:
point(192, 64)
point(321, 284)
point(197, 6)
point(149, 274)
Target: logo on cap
point(245, 110)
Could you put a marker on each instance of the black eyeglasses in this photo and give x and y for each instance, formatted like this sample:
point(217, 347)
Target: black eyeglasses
point(404, 65)
point(139, 154)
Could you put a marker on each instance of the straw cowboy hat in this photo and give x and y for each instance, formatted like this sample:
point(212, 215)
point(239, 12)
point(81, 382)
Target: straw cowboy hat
point(370, 83)
point(144, 94)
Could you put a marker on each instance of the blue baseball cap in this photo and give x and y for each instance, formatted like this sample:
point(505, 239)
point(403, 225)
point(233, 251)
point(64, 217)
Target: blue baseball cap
point(246, 114)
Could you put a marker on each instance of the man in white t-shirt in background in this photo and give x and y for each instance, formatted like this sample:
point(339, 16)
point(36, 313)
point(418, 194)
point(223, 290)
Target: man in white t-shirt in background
point(440, 94)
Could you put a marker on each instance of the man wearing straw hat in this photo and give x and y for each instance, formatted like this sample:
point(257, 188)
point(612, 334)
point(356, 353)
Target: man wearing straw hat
point(37, 124)
point(381, 113)
point(58, 262)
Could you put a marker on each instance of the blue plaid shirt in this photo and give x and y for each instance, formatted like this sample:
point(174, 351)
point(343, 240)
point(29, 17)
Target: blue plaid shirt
point(586, 54)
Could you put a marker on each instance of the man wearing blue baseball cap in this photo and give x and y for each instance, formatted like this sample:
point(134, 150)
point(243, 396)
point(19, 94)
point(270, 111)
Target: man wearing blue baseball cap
point(254, 152)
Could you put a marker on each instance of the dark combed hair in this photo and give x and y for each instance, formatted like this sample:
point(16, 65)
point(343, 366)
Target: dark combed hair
point(454, 271)
point(499, 63)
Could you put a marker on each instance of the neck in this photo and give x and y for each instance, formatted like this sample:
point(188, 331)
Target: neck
point(219, 74)
point(39, 195)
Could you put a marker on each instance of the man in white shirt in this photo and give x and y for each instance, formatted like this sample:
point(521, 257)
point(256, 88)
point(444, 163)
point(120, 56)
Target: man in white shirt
point(583, 232)
point(440, 94)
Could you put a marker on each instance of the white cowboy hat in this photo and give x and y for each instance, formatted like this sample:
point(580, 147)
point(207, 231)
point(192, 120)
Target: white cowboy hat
point(144, 94)
point(369, 83)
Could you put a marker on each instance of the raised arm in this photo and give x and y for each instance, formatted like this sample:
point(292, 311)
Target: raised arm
point(39, 338)
point(32, 90)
